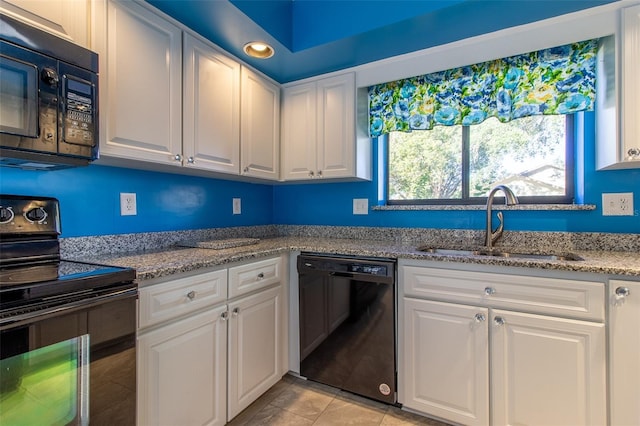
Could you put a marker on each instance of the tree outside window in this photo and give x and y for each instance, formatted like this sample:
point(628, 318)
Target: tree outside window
point(460, 164)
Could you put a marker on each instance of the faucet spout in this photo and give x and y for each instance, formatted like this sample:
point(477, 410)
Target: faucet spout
point(510, 199)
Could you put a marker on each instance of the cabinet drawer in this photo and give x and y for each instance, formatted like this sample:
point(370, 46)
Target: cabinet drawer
point(172, 299)
point(247, 278)
point(552, 296)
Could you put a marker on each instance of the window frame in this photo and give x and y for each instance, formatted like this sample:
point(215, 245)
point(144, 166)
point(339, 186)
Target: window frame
point(568, 198)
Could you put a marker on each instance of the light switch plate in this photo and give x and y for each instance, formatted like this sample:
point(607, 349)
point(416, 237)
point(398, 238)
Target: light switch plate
point(237, 206)
point(617, 204)
point(128, 205)
point(360, 206)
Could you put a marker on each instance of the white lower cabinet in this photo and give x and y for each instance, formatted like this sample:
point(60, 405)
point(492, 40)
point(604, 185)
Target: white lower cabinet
point(254, 348)
point(547, 371)
point(477, 364)
point(203, 358)
point(445, 371)
point(624, 352)
point(182, 373)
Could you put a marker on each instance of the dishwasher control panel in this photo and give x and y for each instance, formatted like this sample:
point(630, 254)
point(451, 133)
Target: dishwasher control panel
point(336, 265)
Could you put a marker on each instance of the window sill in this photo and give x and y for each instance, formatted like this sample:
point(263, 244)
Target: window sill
point(528, 207)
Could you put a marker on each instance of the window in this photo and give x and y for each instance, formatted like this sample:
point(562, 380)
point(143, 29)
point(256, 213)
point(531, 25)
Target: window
point(460, 164)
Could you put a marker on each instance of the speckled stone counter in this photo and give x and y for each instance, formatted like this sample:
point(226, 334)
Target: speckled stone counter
point(172, 260)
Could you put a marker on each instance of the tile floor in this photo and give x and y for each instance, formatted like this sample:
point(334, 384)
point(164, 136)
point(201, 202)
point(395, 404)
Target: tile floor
point(294, 401)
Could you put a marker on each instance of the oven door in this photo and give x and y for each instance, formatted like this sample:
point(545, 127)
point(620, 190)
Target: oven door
point(44, 358)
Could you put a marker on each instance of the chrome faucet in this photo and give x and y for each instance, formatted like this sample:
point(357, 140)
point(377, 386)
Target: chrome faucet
point(510, 200)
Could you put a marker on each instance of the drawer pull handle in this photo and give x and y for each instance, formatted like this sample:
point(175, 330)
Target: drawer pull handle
point(260, 276)
point(191, 295)
point(236, 311)
point(224, 316)
point(499, 320)
point(479, 318)
point(622, 292)
point(488, 291)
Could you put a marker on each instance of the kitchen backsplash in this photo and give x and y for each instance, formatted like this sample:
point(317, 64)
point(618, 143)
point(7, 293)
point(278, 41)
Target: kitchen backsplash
point(542, 241)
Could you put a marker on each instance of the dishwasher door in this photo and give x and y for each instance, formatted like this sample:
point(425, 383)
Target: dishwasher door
point(347, 324)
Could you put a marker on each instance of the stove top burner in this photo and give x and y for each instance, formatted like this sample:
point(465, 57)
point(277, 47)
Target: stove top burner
point(31, 270)
point(70, 279)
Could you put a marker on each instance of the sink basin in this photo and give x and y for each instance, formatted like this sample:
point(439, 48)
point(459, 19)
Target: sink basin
point(447, 252)
point(535, 256)
point(465, 252)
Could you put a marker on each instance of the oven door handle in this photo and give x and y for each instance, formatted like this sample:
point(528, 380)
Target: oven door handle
point(28, 317)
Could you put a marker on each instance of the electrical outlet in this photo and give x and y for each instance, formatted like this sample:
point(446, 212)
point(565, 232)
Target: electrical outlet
point(617, 204)
point(128, 205)
point(360, 206)
point(237, 206)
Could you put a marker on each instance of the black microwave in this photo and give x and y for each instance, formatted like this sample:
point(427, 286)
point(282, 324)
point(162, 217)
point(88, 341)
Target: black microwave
point(49, 92)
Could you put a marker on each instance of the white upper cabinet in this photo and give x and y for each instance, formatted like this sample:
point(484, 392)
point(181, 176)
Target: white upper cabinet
point(211, 126)
point(67, 19)
point(618, 97)
point(299, 131)
point(318, 130)
point(168, 103)
point(140, 84)
point(631, 85)
point(260, 126)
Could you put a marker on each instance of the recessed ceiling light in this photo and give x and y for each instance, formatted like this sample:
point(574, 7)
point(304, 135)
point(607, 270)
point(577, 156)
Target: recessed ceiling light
point(258, 49)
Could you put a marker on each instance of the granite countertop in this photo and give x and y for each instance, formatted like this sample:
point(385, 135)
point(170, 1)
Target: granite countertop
point(168, 261)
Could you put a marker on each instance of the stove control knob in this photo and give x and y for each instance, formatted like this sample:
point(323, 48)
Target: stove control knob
point(6, 214)
point(36, 215)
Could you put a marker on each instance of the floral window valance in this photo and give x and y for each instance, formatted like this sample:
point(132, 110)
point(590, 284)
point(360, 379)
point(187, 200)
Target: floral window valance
point(559, 80)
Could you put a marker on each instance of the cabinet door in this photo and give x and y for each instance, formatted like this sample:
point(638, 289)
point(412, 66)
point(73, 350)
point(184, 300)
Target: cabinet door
point(140, 85)
point(182, 372)
point(547, 370)
point(445, 367)
point(254, 348)
point(211, 108)
point(624, 352)
point(336, 126)
point(67, 19)
point(631, 85)
point(299, 132)
point(259, 126)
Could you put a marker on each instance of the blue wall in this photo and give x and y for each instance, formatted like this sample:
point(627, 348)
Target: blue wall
point(90, 199)
point(331, 204)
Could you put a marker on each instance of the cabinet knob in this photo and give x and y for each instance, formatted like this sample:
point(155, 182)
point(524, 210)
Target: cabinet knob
point(488, 291)
point(224, 316)
point(245, 170)
point(634, 154)
point(191, 160)
point(622, 292)
point(499, 321)
point(479, 318)
point(319, 173)
point(177, 157)
point(235, 312)
point(260, 276)
point(191, 295)
point(311, 174)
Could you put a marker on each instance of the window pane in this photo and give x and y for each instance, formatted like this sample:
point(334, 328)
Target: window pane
point(527, 155)
point(426, 164)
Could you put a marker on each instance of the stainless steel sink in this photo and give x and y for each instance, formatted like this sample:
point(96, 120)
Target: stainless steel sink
point(479, 252)
point(536, 256)
point(447, 252)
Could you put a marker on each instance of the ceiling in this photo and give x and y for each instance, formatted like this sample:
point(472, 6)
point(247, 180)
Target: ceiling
point(313, 37)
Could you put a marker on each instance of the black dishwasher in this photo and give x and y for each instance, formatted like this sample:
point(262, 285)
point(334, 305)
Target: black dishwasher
point(347, 323)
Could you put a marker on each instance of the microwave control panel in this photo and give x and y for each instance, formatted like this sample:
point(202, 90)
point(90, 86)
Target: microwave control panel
point(79, 128)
